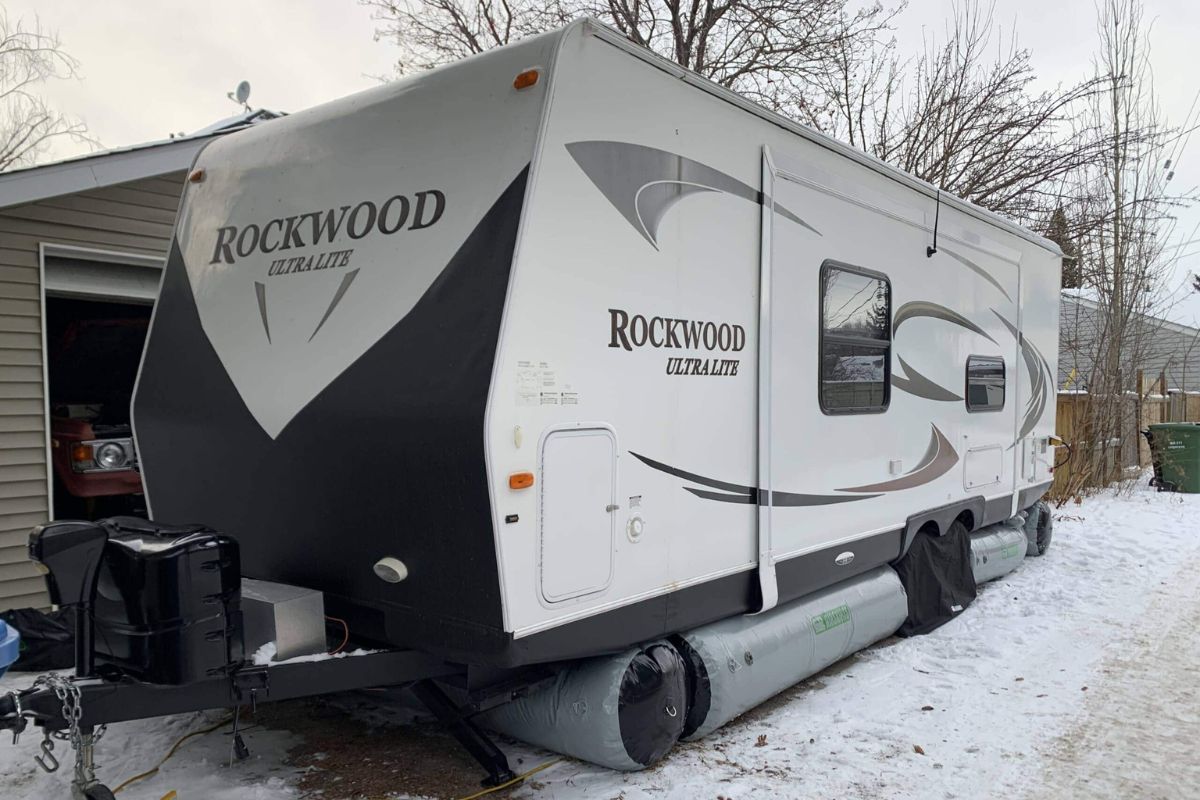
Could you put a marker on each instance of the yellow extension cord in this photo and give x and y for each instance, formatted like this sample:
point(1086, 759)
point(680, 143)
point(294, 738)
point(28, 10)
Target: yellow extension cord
point(179, 743)
point(515, 780)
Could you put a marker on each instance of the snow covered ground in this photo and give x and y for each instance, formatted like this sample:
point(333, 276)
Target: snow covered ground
point(1073, 677)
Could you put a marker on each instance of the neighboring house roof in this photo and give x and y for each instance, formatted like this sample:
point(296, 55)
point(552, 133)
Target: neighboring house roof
point(120, 165)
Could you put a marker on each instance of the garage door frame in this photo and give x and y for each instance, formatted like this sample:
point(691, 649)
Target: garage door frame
point(50, 251)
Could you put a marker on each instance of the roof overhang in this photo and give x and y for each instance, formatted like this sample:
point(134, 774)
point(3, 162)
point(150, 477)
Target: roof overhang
point(96, 171)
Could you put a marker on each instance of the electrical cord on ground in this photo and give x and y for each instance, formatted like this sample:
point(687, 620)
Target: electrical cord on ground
point(204, 731)
point(179, 743)
point(512, 782)
point(345, 635)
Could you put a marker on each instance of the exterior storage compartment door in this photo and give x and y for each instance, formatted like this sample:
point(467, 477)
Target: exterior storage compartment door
point(577, 498)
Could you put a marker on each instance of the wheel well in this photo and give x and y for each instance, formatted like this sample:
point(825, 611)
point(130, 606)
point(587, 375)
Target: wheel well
point(967, 518)
point(931, 528)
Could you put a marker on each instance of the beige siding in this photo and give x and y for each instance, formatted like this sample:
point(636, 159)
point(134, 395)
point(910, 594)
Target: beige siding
point(136, 218)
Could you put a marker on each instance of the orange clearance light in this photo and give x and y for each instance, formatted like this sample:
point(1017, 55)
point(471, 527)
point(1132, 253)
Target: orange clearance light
point(81, 452)
point(520, 480)
point(197, 176)
point(525, 79)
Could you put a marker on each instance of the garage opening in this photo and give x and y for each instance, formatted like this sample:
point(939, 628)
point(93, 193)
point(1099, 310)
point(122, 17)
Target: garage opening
point(93, 348)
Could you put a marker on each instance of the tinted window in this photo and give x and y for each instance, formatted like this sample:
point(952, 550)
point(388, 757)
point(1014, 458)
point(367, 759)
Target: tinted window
point(985, 383)
point(856, 334)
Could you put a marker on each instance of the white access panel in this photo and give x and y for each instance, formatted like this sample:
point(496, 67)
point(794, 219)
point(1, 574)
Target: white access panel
point(983, 466)
point(578, 494)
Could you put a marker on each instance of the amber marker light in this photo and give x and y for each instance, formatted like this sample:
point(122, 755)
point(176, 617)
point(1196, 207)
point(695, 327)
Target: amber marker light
point(81, 453)
point(525, 79)
point(520, 480)
point(197, 176)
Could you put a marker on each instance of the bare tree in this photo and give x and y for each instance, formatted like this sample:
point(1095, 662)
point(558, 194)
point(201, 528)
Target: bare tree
point(773, 51)
point(964, 116)
point(1123, 209)
point(30, 56)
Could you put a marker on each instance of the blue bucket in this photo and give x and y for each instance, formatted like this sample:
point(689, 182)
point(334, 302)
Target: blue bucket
point(10, 646)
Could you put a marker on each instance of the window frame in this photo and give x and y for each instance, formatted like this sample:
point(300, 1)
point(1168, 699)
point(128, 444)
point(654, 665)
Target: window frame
point(828, 266)
point(988, 409)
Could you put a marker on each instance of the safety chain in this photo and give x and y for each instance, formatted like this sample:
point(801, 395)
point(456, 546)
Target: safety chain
point(72, 707)
point(72, 712)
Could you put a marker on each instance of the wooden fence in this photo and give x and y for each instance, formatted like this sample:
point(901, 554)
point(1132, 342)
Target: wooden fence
point(1125, 453)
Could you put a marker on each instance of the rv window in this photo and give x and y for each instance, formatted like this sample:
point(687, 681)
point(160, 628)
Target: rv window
point(985, 383)
point(856, 340)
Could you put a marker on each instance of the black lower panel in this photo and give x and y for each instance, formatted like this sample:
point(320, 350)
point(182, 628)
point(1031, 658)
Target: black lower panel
point(996, 510)
point(698, 605)
point(809, 573)
point(1032, 494)
point(620, 628)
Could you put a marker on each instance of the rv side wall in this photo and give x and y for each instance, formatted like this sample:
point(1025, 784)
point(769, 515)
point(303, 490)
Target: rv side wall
point(631, 344)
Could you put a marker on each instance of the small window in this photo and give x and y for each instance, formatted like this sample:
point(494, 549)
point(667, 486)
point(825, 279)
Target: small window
point(985, 383)
point(856, 340)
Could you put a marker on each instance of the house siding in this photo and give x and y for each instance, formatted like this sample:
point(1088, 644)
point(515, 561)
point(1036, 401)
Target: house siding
point(135, 218)
point(1167, 349)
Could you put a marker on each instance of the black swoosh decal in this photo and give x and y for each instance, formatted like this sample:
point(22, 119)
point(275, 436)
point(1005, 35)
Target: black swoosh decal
point(720, 497)
point(749, 495)
point(944, 458)
point(924, 308)
point(917, 384)
point(791, 499)
point(749, 491)
point(260, 290)
point(347, 279)
point(1040, 378)
point(643, 183)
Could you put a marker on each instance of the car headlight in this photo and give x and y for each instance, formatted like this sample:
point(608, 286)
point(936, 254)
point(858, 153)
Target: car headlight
point(110, 456)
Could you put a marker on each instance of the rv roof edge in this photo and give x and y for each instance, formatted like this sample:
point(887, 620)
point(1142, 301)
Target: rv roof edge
point(613, 37)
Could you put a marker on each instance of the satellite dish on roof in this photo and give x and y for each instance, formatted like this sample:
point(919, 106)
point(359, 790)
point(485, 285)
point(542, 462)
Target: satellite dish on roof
point(241, 94)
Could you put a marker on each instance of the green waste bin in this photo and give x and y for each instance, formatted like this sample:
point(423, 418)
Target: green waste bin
point(1176, 451)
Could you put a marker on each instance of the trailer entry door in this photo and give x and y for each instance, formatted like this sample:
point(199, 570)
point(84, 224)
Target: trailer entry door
point(578, 494)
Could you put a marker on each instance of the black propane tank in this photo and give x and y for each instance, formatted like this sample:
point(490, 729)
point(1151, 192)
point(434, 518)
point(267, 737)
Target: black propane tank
point(168, 605)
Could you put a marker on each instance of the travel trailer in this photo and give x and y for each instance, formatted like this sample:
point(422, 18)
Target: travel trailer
point(562, 350)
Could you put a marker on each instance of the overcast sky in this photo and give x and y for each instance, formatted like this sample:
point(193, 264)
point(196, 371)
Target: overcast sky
point(150, 68)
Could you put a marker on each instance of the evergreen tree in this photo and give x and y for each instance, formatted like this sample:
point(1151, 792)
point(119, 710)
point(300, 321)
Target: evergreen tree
point(1057, 232)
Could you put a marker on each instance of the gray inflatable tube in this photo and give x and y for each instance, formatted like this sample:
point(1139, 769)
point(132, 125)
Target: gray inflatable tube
point(997, 550)
point(622, 712)
point(627, 711)
point(738, 663)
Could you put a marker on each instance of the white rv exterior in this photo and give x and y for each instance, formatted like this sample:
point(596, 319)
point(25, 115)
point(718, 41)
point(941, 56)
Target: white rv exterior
point(722, 348)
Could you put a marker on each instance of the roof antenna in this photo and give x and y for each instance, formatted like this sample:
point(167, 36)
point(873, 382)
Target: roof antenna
point(937, 215)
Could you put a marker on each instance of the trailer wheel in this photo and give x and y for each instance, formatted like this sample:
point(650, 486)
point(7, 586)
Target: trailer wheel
point(1039, 529)
point(98, 791)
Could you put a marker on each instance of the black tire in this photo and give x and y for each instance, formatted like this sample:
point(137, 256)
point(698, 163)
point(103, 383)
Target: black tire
point(1039, 529)
point(98, 791)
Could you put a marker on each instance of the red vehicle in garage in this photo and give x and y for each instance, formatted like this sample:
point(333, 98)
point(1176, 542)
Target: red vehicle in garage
point(93, 365)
